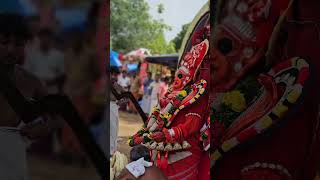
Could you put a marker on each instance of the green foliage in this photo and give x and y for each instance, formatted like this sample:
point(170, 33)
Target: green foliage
point(132, 27)
point(171, 48)
point(177, 41)
point(160, 8)
point(158, 45)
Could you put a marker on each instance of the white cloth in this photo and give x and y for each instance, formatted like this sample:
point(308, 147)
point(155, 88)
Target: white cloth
point(138, 168)
point(114, 125)
point(12, 155)
point(124, 81)
point(146, 100)
point(155, 86)
point(45, 66)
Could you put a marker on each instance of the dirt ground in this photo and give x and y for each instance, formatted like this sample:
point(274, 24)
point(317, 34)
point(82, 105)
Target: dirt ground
point(129, 124)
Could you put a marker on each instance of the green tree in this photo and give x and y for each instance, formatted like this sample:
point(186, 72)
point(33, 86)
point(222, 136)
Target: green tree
point(177, 41)
point(160, 8)
point(159, 45)
point(132, 27)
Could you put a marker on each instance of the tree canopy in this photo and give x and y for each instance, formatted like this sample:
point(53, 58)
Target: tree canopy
point(177, 41)
point(132, 27)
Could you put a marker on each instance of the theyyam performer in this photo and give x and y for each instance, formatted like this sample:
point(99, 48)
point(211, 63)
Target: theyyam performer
point(177, 131)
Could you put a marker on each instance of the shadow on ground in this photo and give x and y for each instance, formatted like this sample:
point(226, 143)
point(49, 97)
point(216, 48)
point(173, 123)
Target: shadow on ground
point(129, 123)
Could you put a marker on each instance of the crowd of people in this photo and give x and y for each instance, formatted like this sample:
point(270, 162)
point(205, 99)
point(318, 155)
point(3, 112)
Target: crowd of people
point(146, 90)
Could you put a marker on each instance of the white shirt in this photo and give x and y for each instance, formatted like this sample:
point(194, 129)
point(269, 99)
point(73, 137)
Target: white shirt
point(45, 66)
point(123, 82)
point(155, 86)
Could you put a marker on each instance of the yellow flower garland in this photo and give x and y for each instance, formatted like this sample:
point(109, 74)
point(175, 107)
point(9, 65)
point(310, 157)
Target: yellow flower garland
point(235, 100)
point(183, 93)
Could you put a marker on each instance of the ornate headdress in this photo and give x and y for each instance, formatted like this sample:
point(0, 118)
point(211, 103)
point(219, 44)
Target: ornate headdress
point(193, 59)
point(195, 49)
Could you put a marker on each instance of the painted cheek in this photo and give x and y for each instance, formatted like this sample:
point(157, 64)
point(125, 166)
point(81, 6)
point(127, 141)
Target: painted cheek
point(177, 82)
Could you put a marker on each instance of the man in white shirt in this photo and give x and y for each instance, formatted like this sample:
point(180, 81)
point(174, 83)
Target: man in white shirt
point(124, 81)
point(46, 62)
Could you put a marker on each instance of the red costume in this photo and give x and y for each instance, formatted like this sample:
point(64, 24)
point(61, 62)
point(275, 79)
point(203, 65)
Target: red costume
point(177, 132)
point(258, 130)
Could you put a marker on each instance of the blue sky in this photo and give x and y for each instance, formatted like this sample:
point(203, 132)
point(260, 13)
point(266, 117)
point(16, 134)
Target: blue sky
point(176, 13)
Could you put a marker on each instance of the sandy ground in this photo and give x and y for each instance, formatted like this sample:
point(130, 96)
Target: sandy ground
point(129, 124)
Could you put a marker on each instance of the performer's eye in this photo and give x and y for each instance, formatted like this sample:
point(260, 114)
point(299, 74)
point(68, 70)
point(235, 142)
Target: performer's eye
point(180, 76)
point(225, 45)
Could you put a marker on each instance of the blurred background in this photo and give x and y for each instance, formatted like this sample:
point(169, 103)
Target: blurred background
point(67, 52)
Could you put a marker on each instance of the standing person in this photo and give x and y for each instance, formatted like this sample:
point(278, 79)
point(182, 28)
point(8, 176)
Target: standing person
point(147, 93)
point(45, 61)
point(135, 89)
point(143, 74)
point(154, 87)
point(114, 113)
point(13, 39)
point(83, 70)
point(114, 117)
point(124, 80)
